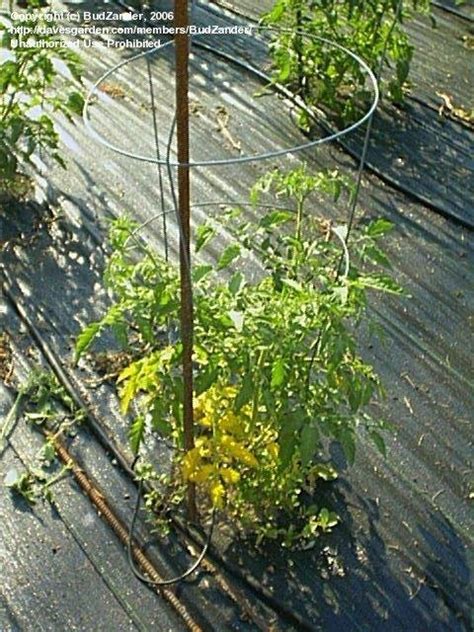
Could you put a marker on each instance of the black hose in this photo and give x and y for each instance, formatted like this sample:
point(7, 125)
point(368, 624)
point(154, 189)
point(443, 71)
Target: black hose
point(111, 448)
point(453, 10)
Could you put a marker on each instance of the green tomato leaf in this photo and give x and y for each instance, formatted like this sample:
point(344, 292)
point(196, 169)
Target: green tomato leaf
point(136, 433)
point(16, 126)
point(75, 103)
point(204, 234)
point(278, 373)
point(121, 333)
point(285, 69)
point(354, 396)
point(380, 282)
point(158, 417)
point(85, 338)
point(205, 378)
point(379, 227)
point(288, 443)
point(308, 444)
point(374, 253)
point(379, 442)
point(289, 435)
point(348, 445)
point(277, 12)
point(229, 254)
point(275, 218)
point(200, 272)
point(236, 283)
point(245, 393)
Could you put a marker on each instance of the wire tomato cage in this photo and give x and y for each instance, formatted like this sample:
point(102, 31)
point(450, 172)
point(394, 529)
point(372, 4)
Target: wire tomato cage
point(164, 157)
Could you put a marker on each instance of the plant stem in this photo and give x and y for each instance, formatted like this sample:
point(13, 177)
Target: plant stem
point(256, 393)
point(57, 477)
point(10, 419)
point(299, 218)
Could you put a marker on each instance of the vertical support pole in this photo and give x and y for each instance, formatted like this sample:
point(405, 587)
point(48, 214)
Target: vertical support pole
point(182, 128)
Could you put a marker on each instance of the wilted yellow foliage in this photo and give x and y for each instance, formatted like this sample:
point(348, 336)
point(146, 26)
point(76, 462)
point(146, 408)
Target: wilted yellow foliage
point(224, 449)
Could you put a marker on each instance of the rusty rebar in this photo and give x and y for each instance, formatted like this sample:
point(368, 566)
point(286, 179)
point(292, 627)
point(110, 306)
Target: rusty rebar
point(186, 312)
point(107, 514)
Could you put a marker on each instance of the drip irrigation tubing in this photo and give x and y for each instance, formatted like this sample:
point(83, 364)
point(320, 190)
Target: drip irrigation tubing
point(435, 107)
point(189, 533)
point(163, 582)
point(409, 193)
point(453, 10)
point(135, 552)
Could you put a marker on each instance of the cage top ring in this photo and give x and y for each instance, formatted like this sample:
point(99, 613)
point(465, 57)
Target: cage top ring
point(282, 151)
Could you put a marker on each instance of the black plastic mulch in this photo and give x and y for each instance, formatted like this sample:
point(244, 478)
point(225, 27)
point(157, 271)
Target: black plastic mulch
point(400, 559)
point(411, 147)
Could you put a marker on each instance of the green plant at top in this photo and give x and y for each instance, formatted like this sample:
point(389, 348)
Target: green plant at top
point(39, 76)
point(277, 372)
point(325, 76)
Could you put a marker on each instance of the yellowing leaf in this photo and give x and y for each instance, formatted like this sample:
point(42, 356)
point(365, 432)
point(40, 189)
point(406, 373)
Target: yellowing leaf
point(238, 451)
point(204, 420)
point(231, 423)
point(217, 493)
point(129, 371)
point(127, 393)
point(203, 473)
point(191, 463)
point(273, 449)
point(229, 475)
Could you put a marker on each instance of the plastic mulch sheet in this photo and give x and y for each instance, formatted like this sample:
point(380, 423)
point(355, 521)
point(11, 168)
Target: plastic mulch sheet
point(400, 558)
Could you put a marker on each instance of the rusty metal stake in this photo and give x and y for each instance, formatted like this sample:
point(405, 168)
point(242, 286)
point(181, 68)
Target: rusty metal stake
point(182, 127)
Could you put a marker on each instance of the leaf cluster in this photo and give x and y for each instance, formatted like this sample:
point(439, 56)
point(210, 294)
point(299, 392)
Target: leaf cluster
point(277, 373)
point(36, 82)
point(325, 76)
point(47, 404)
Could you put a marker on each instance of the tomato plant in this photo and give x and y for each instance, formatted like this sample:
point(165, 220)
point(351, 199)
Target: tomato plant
point(39, 76)
point(327, 77)
point(277, 371)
